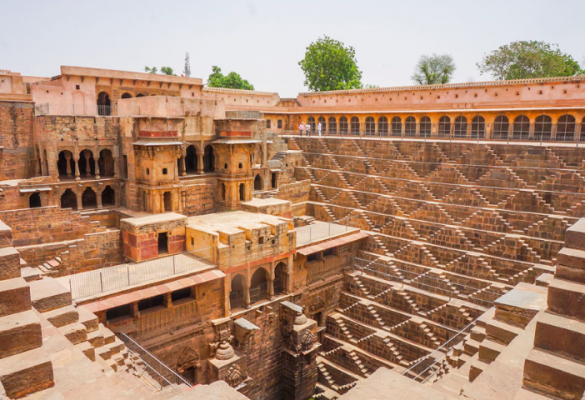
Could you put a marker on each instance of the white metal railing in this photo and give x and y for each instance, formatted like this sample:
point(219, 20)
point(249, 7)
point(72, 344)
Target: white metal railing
point(103, 280)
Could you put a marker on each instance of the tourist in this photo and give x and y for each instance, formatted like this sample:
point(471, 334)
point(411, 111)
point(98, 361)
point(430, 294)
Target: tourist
point(308, 127)
point(301, 128)
point(319, 128)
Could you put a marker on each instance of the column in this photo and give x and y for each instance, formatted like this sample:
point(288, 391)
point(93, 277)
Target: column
point(271, 282)
point(200, 164)
point(162, 202)
point(87, 156)
point(79, 201)
point(289, 279)
point(183, 167)
point(117, 197)
point(116, 167)
point(264, 151)
point(247, 293)
point(67, 156)
point(41, 162)
point(76, 166)
point(97, 168)
point(98, 197)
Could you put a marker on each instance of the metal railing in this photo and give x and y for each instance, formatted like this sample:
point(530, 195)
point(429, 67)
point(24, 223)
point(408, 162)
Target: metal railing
point(103, 280)
point(72, 109)
point(163, 375)
point(259, 292)
point(183, 314)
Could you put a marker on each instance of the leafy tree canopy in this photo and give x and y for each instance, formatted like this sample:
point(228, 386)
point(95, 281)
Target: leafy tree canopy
point(164, 70)
point(528, 59)
point(330, 65)
point(434, 70)
point(231, 80)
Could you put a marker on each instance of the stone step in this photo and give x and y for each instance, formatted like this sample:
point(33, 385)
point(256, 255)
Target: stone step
point(62, 316)
point(76, 332)
point(47, 294)
point(566, 298)
point(9, 263)
point(501, 332)
point(476, 368)
point(489, 351)
point(552, 375)
point(30, 273)
point(87, 349)
point(89, 319)
point(560, 335)
point(524, 394)
point(26, 373)
point(96, 339)
point(104, 353)
point(116, 347)
point(478, 333)
point(19, 333)
point(14, 296)
point(470, 347)
point(109, 336)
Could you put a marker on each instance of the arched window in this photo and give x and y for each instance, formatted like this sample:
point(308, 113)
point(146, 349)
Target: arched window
point(521, 128)
point(311, 123)
point(566, 128)
point(370, 126)
point(237, 292)
point(478, 127)
point(542, 128)
point(259, 285)
point(258, 183)
point(65, 164)
point(382, 126)
point(396, 127)
point(332, 126)
point(108, 196)
point(355, 126)
point(34, 201)
point(425, 127)
point(460, 128)
point(501, 128)
point(126, 96)
point(444, 126)
point(321, 120)
point(89, 198)
point(106, 163)
point(103, 103)
point(410, 126)
point(279, 284)
point(69, 200)
point(191, 160)
point(208, 159)
point(343, 126)
point(140, 95)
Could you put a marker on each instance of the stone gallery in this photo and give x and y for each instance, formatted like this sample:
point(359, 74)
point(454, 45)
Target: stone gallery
point(160, 239)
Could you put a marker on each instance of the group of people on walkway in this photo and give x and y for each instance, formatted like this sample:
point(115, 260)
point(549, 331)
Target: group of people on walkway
point(307, 128)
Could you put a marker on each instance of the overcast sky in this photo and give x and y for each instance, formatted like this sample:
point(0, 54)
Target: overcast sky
point(264, 40)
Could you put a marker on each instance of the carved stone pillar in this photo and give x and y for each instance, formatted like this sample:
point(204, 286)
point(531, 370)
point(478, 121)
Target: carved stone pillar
point(76, 166)
point(97, 168)
point(200, 164)
point(98, 198)
point(68, 164)
point(87, 155)
point(183, 166)
point(79, 201)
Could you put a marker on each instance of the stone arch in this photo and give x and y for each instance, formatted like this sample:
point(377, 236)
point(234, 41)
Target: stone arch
point(258, 184)
point(542, 128)
point(109, 196)
point(521, 128)
point(65, 164)
point(332, 126)
point(89, 198)
point(383, 126)
point(460, 127)
point(106, 163)
point(237, 292)
point(191, 160)
point(370, 126)
point(425, 126)
point(34, 200)
point(396, 126)
point(86, 163)
point(280, 278)
point(208, 159)
point(103, 103)
point(311, 123)
point(478, 127)
point(127, 96)
point(410, 126)
point(140, 95)
point(343, 125)
point(69, 199)
point(566, 128)
point(444, 126)
point(355, 125)
point(501, 128)
point(323, 123)
point(259, 285)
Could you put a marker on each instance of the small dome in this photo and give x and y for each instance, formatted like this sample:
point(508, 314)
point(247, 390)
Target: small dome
point(225, 351)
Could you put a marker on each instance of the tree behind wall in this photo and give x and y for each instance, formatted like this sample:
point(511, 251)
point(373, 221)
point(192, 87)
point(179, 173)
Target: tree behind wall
point(528, 59)
point(330, 65)
point(164, 70)
point(232, 80)
point(434, 70)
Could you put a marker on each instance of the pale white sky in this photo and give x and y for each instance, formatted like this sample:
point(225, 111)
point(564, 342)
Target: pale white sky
point(264, 40)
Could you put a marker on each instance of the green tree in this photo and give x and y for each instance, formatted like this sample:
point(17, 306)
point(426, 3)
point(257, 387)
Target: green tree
point(330, 65)
point(232, 80)
point(434, 70)
point(167, 71)
point(528, 59)
point(150, 70)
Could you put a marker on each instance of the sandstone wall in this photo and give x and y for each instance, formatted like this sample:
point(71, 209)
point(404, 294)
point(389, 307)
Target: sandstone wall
point(17, 158)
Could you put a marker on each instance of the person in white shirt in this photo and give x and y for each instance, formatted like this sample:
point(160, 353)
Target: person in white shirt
point(301, 128)
point(319, 128)
point(308, 128)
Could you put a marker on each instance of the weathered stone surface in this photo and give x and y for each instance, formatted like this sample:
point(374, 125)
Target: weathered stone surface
point(19, 332)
